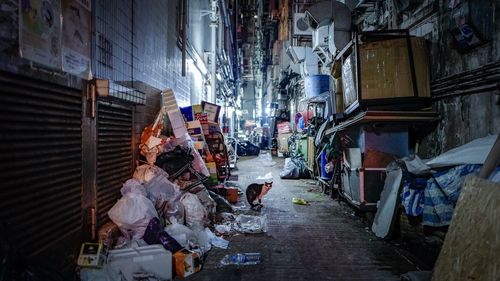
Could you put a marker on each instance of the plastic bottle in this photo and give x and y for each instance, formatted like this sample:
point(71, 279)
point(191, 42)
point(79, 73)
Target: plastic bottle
point(241, 259)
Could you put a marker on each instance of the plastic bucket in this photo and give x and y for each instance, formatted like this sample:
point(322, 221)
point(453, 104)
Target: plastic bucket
point(324, 174)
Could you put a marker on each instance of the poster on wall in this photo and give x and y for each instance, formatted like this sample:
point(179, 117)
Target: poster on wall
point(76, 37)
point(8, 25)
point(40, 31)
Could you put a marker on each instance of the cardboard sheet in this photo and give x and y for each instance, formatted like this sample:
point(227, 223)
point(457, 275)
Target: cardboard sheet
point(471, 249)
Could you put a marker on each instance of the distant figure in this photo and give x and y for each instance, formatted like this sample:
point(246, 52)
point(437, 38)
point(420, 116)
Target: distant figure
point(256, 191)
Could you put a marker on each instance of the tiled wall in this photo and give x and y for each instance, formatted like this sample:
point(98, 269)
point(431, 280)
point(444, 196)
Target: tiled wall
point(136, 41)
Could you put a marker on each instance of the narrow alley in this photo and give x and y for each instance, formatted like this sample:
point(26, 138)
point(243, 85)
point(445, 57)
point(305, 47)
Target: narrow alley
point(318, 241)
point(161, 140)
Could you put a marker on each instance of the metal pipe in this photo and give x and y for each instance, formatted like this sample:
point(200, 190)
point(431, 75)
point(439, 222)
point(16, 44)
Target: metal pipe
point(213, 26)
point(184, 5)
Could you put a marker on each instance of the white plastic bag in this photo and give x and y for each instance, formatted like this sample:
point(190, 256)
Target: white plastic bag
point(181, 233)
point(250, 224)
point(159, 188)
point(132, 214)
point(195, 213)
point(204, 238)
point(134, 186)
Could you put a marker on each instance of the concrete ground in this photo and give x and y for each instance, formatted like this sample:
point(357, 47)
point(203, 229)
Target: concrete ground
point(319, 241)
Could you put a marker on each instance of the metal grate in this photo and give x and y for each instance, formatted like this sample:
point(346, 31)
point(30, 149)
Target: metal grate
point(114, 155)
point(105, 52)
point(112, 56)
point(40, 160)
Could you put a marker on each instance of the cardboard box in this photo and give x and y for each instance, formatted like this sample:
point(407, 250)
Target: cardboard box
point(186, 263)
point(177, 123)
point(203, 118)
point(310, 152)
point(194, 128)
point(386, 71)
point(108, 234)
point(197, 108)
point(212, 110)
point(187, 112)
point(283, 142)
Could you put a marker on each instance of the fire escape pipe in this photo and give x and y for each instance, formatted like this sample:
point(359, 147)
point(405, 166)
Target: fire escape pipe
point(183, 26)
point(213, 25)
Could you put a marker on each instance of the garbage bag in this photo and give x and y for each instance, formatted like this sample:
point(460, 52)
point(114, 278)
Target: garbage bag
point(155, 234)
point(132, 214)
point(181, 234)
point(146, 172)
point(290, 171)
point(160, 189)
point(195, 213)
point(176, 161)
point(206, 200)
point(134, 186)
point(165, 195)
point(203, 235)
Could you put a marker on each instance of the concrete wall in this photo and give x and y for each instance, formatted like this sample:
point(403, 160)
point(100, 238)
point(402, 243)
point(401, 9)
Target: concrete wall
point(464, 117)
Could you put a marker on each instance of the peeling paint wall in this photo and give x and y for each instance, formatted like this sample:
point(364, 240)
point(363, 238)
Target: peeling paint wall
point(464, 118)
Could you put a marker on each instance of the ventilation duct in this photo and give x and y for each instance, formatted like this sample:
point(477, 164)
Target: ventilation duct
point(335, 13)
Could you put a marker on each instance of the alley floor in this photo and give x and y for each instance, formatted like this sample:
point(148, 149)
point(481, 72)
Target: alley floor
point(319, 241)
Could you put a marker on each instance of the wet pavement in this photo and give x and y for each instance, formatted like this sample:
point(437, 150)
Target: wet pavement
point(319, 241)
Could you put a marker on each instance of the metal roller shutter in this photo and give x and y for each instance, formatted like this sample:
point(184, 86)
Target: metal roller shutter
point(114, 155)
point(40, 162)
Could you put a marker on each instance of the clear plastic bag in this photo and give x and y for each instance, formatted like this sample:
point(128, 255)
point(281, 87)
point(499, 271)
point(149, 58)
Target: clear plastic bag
point(134, 186)
point(195, 213)
point(159, 188)
point(181, 233)
point(132, 214)
point(250, 224)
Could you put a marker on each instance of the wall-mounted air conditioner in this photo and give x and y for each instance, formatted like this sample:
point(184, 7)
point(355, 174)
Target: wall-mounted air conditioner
point(300, 26)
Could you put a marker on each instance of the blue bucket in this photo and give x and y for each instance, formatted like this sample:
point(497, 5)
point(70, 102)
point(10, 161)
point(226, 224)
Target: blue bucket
point(316, 85)
point(324, 174)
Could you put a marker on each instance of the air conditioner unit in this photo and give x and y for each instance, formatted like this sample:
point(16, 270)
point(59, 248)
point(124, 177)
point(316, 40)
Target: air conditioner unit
point(300, 26)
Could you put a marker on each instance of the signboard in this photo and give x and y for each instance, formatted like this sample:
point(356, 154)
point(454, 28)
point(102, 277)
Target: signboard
point(40, 31)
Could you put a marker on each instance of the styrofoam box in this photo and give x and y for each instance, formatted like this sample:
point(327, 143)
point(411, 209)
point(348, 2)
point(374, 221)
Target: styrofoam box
point(152, 259)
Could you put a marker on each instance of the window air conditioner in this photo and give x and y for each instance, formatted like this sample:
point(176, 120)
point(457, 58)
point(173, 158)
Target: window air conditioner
point(300, 26)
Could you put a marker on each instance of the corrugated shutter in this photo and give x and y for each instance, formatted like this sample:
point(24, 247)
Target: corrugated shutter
point(114, 155)
point(40, 161)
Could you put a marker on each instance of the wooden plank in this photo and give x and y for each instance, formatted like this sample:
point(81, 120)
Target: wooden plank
point(471, 250)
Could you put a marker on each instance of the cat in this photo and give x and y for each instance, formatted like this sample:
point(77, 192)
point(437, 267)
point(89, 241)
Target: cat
point(256, 191)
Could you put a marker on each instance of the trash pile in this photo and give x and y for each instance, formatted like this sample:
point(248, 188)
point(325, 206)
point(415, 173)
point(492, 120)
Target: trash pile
point(430, 189)
point(170, 214)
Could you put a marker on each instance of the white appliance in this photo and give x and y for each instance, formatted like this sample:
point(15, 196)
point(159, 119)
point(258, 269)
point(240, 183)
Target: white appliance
point(300, 26)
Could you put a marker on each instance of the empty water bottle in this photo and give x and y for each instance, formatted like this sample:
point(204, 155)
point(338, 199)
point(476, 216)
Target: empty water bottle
point(241, 259)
